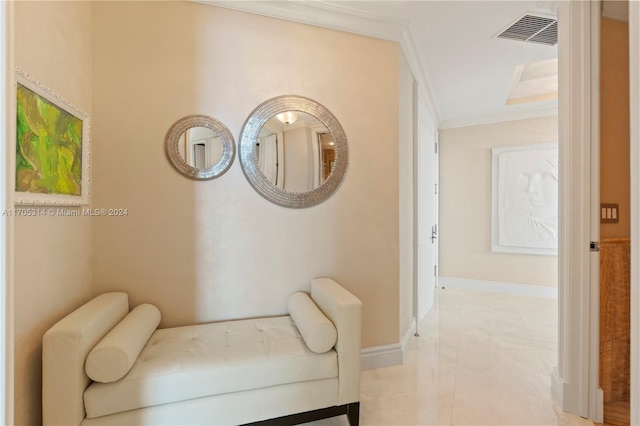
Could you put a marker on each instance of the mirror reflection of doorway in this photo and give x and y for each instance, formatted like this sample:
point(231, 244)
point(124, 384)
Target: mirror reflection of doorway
point(296, 157)
point(200, 147)
point(270, 152)
point(326, 148)
point(199, 155)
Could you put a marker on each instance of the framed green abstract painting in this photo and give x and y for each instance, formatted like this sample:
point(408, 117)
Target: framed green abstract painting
point(52, 147)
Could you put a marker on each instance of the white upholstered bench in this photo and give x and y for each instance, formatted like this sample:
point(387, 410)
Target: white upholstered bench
point(104, 365)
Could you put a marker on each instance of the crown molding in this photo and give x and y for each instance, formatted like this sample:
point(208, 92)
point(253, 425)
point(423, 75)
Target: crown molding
point(349, 20)
point(322, 15)
point(498, 118)
point(419, 71)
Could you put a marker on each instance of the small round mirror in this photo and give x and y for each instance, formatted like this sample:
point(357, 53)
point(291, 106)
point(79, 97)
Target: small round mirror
point(200, 147)
point(293, 151)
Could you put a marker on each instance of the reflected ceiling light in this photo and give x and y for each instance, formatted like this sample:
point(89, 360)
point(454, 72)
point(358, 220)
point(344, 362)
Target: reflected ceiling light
point(288, 117)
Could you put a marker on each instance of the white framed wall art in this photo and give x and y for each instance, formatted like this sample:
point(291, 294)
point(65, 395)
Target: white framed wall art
point(525, 199)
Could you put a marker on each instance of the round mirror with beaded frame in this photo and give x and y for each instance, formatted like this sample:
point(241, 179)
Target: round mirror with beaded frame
point(249, 147)
point(178, 154)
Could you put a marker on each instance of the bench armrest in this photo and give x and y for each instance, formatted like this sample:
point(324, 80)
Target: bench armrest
point(345, 311)
point(65, 347)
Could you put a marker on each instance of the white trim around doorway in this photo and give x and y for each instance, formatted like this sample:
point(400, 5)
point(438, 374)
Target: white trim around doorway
point(3, 174)
point(6, 221)
point(575, 379)
point(634, 88)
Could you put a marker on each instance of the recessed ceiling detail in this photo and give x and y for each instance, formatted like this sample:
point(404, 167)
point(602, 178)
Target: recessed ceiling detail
point(533, 29)
point(534, 82)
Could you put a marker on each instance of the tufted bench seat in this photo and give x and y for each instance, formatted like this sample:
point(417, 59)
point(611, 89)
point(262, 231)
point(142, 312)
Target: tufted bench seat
point(190, 362)
point(104, 364)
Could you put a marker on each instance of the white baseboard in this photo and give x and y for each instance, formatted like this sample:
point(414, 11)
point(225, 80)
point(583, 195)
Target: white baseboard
point(599, 406)
point(557, 395)
point(499, 287)
point(557, 387)
point(407, 339)
point(388, 355)
point(381, 356)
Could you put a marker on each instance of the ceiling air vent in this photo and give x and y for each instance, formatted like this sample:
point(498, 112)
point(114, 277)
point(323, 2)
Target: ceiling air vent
point(533, 29)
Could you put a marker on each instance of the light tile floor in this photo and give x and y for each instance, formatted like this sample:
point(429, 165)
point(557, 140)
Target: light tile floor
point(481, 359)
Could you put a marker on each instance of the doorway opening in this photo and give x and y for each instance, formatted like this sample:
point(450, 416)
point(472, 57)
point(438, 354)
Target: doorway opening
point(575, 378)
point(615, 253)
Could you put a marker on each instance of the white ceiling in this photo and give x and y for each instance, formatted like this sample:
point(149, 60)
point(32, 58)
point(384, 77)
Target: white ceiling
point(470, 71)
point(452, 44)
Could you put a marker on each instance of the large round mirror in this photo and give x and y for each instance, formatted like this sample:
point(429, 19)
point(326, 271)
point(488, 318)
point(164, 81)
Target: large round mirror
point(200, 147)
point(293, 151)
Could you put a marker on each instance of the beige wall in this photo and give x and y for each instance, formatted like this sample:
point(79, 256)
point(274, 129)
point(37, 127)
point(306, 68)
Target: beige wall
point(52, 254)
point(465, 204)
point(211, 250)
point(614, 124)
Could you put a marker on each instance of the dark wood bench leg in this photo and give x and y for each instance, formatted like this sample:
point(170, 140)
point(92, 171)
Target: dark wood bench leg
point(353, 413)
point(351, 410)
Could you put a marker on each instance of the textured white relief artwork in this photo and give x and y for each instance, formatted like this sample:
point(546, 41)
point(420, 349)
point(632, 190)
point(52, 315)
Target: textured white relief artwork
point(527, 199)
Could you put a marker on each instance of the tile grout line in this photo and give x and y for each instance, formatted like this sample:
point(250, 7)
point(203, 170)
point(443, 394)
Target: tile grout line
point(532, 341)
point(455, 381)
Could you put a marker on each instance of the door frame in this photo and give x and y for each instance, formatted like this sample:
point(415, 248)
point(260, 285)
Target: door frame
point(6, 221)
point(3, 174)
point(634, 140)
point(575, 379)
point(425, 129)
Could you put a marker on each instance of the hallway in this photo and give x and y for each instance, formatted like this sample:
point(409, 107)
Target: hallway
point(481, 359)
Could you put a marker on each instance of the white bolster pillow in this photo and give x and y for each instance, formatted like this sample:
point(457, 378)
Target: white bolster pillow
point(316, 329)
point(116, 353)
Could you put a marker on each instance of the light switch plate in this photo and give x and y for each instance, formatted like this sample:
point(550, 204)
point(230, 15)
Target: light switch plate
point(609, 213)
